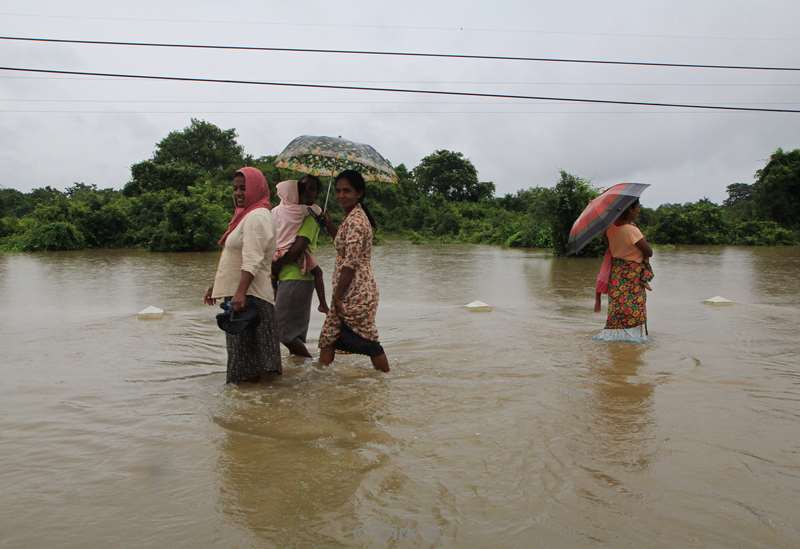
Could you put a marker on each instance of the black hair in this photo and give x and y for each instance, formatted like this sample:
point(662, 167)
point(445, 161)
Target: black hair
point(304, 181)
point(357, 181)
point(628, 210)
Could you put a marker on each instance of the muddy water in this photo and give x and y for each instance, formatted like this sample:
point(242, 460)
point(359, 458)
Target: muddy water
point(509, 428)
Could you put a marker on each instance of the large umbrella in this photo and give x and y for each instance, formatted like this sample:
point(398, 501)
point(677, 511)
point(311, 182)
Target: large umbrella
point(327, 156)
point(601, 212)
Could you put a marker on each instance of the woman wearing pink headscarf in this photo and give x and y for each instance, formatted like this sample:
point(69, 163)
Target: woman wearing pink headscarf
point(243, 279)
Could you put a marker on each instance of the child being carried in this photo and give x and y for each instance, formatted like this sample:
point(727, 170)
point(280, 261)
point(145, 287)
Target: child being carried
point(297, 204)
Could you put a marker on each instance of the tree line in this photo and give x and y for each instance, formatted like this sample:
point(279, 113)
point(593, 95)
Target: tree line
point(180, 200)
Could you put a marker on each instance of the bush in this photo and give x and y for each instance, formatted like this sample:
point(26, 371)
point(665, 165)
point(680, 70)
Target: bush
point(189, 225)
point(57, 235)
point(8, 226)
point(763, 233)
point(180, 200)
point(701, 222)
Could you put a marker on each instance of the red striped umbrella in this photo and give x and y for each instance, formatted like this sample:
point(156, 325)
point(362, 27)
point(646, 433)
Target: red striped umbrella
point(602, 212)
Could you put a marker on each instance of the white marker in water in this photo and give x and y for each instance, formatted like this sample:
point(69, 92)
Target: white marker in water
point(478, 307)
point(150, 313)
point(717, 300)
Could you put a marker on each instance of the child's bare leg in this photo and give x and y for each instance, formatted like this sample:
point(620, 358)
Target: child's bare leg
point(319, 286)
point(298, 348)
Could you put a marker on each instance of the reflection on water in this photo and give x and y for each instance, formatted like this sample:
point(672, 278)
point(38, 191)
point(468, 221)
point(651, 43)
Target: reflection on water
point(511, 428)
point(291, 458)
point(622, 407)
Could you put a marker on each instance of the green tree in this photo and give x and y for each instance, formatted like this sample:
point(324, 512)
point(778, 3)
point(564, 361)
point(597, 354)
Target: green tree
point(181, 158)
point(202, 144)
point(740, 204)
point(777, 188)
point(150, 176)
point(189, 224)
point(146, 213)
point(449, 174)
point(570, 196)
point(14, 203)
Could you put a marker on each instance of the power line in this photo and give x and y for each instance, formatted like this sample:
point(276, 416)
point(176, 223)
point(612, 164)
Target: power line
point(398, 90)
point(313, 102)
point(480, 82)
point(395, 54)
point(434, 28)
point(349, 113)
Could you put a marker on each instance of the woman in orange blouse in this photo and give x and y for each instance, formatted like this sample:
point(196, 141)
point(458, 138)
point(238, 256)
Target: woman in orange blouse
point(627, 281)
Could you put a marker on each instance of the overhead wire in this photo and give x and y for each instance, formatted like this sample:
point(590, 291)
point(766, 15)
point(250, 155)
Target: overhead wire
point(398, 54)
point(398, 90)
point(475, 82)
point(350, 113)
point(305, 101)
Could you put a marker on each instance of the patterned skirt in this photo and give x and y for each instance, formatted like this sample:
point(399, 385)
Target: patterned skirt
point(627, 303)
point(255, 353)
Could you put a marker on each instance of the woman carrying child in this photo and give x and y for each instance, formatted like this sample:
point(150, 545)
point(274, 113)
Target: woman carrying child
point(294, 269)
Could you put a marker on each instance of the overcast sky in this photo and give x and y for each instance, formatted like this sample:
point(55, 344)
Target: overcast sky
point(57, 130)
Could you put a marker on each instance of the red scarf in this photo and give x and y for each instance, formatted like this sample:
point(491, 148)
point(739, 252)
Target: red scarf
point(256, 195)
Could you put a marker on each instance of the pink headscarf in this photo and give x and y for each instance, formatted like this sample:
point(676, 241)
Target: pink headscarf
point(256, 195)
point(289, 216)
point(603, 276)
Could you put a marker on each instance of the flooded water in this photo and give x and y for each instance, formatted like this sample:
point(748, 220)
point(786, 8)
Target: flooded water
point(502, 429)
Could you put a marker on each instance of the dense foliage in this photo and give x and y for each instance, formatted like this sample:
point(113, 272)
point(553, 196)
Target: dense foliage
point(180, 200)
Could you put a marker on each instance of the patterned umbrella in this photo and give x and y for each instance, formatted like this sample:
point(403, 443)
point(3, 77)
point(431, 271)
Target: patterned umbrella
point(602, 212)
point(327, 156)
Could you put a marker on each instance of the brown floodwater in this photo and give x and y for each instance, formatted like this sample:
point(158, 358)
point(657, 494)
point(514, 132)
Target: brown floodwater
point(504, 429)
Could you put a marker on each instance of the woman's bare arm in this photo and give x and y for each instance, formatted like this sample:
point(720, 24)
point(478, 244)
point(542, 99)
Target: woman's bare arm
point(645, 247)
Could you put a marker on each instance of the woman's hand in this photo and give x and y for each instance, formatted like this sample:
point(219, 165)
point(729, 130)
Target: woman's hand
point(207, 299)
point(239, 302)
point(337, 306)
point(329, 226)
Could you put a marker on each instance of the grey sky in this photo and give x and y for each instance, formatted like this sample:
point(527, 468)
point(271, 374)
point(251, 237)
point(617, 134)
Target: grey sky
point(685, 155)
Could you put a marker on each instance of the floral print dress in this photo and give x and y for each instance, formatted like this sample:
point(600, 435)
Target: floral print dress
point(627, 300)
point(353, 245)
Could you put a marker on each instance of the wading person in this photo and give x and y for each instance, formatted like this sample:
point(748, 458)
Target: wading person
point(243, 280)
point(294, 268)
point(350, 325)
point(627, 273)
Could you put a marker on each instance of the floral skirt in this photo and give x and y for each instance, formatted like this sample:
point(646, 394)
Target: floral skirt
point(255, 353)
point(627, 302)
point(360, 306)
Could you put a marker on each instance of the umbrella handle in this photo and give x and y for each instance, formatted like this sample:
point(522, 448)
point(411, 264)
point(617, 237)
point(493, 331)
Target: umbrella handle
point(327, 195)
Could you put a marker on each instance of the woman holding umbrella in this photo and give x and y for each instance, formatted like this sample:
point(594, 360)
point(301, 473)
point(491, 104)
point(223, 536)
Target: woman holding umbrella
point(625, 270)
point(625, 275)
point(350, 325)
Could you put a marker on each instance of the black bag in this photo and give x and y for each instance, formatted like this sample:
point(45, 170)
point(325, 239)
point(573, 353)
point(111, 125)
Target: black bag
point(236, 323)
